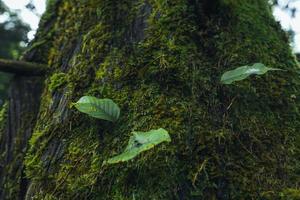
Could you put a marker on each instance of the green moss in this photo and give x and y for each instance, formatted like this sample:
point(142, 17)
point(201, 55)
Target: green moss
point(3, 112)
point(287, 194)
point(228, 142)
point(3, 124)
point(57, 80)
point(290, 194)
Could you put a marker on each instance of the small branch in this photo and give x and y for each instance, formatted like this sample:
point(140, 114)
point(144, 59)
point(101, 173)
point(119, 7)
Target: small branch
point(22, 68)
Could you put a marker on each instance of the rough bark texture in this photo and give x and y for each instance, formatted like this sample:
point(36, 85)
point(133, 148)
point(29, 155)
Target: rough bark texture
point(161, 61)
point(18, 120)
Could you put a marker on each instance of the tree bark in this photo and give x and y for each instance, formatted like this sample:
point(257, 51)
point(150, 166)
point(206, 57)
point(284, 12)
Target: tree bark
point(18, 120)
point(161, 62)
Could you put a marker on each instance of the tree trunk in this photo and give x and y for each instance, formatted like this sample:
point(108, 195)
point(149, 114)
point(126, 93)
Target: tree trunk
point(17, 123)
point(161, 62)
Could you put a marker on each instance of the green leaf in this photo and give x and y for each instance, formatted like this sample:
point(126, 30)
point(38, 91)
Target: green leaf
point(99, 108)
point(243, 72)
point(139, 142)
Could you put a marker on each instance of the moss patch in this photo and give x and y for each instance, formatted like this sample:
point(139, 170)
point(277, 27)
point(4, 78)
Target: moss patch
point(57, 80)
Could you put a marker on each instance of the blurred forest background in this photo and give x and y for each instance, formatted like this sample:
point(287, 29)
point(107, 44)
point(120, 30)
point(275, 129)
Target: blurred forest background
point(13, 41)
point(14, 32)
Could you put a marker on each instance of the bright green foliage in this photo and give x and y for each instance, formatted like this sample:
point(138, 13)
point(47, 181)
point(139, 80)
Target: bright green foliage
point(99, 108)
point(139, 142)
point(243, 72)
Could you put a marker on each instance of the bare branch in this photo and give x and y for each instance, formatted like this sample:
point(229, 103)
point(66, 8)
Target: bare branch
point(22, 68)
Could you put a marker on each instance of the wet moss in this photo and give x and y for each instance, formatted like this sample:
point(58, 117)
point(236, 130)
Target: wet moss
point(228, 142)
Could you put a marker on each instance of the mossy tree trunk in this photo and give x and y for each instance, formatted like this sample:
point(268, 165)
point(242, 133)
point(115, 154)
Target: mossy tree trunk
point(18, 118)
point(161, 62)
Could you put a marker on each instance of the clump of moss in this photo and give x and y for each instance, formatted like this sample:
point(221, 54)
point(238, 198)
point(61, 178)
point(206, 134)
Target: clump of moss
point(287, 194)
point(3, 124)
point(57, 80)
point(3, 112)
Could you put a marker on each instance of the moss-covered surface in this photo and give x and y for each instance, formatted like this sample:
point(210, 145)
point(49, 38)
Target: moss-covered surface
point(161, 61)
point(3, 126)
point(57, 80)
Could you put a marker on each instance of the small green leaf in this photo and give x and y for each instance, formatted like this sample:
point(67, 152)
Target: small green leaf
point(99, 108)
point(243, 72)
point(139, 142)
